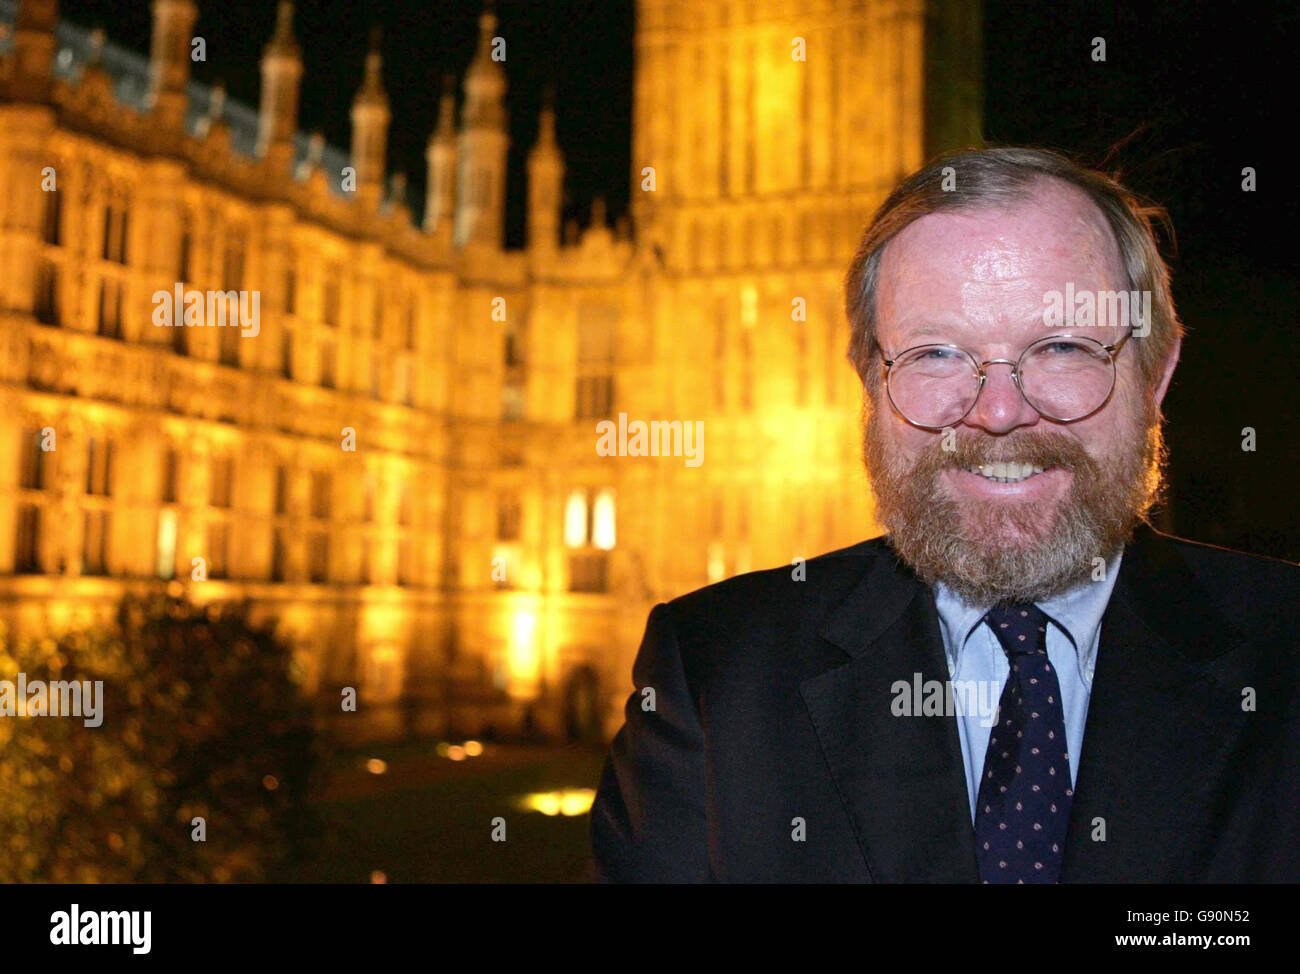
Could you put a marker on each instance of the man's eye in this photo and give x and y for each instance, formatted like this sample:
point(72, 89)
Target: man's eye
point(1063, 348)
point(935, 354)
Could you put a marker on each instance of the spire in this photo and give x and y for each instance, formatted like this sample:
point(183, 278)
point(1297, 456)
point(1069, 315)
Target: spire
point(372, 88)
point(33, 49)
point(446, 130)
point(485, 81)
point(283, 43)
point(483, 142)
point(370, 118)
point(440, 197)
point(169, 58)
point(277, 117)
point(545, 180)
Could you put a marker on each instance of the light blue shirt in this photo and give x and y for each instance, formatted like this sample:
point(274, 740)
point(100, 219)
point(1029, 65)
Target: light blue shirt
point(978, 667)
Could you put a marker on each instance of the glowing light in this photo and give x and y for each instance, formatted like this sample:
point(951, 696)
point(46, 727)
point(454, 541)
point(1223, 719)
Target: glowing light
point(602, 520)
point(376, 766)
point(575, 520)
point(523, 661)
point(456, 752)
point(270, 782)
point(473, 748)
point(568, 802)
point(378, 877)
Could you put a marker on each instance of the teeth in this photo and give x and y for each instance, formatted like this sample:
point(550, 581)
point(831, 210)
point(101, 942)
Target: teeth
point(1006, 472)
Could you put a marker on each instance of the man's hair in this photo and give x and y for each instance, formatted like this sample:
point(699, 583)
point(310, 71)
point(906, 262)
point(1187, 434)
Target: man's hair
point(1003, 176)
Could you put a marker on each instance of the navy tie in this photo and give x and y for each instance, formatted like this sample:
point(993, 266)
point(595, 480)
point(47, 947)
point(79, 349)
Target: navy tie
point(1024, 796)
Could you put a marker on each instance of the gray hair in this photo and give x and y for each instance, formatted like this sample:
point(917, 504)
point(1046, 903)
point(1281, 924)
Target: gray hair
point(1001, 176)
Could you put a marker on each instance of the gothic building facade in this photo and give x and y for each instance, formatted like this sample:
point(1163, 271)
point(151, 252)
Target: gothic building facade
point(392, 448)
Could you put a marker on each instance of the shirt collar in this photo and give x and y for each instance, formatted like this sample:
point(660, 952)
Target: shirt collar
point(1076, 612)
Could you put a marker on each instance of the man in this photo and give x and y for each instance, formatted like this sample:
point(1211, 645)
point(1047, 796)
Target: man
point(1022, 682)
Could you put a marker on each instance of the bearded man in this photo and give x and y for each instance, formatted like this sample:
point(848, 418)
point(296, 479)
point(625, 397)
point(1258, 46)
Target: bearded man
point(1023, 681)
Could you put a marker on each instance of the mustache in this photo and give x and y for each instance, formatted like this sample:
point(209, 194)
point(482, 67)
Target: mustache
point(1041, 448)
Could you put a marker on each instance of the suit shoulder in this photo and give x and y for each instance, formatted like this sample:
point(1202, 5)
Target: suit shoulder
point(1241, 578)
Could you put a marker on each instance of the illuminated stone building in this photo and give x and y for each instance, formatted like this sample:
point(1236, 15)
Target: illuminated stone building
point(401, 465)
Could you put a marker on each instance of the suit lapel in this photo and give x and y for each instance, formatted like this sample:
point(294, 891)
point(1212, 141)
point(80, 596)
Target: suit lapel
point(901, 778)
point(1164, 716)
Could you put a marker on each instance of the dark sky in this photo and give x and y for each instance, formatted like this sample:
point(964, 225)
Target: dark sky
point(1191, 91)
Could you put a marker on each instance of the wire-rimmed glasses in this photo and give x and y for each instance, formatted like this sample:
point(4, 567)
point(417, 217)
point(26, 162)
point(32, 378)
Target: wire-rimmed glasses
point(1064, 377)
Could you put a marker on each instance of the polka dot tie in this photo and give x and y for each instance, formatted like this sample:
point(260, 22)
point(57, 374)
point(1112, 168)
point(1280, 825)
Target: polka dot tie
point(1024, 796)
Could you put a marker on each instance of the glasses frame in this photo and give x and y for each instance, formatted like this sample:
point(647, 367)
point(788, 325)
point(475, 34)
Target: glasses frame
point(978, 369)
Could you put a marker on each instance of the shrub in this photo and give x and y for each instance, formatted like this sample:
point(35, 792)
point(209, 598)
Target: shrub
point(201, 719)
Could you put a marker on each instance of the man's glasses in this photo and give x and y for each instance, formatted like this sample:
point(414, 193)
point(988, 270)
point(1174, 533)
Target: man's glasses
point(1064, 378)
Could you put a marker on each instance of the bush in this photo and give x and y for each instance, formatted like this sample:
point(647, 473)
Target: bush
point(201, 719)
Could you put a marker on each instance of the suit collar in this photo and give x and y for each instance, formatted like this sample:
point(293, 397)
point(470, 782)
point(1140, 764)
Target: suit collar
point(900, 777)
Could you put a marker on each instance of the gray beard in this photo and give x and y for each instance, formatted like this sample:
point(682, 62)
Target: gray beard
point(966, 544)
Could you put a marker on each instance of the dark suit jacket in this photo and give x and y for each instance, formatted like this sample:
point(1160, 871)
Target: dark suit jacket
point(772, 703)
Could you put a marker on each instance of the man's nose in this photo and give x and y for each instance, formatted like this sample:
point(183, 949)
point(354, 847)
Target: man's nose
point(1000, 407)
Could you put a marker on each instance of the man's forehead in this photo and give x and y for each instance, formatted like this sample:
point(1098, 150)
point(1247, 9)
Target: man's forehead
point(1054, 231)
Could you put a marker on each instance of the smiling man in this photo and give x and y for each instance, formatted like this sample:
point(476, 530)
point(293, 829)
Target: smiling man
point(1147, 725)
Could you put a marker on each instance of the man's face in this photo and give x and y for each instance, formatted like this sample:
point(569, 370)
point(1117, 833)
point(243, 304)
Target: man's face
point(977, 279)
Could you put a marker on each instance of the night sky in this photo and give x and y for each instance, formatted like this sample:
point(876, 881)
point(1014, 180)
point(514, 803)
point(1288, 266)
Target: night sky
point(1190, 93)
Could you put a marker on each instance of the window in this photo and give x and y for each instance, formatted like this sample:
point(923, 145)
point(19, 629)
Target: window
point(279, 555)
point(115, 227)
point(720, 354)
point(110, 308)
point(185, 254)
point(223, 475)
point(218, 549)
point(290, 284)
point(594, 397)
point(377, 314)
point(747, 369)
point(46, 305)
point(51, 229)
point(509, 516)
point(232, 263)
point(589, 531)
point(28, 547)
point(318, 555)
point(330, 300)
point(99, 487)
point(99, 466)
point(281, 490)
point(169, 476)
point(165, 562)
point(229, 342)
point(320, 494)
point(286, 353)
point(328, 379)
point(94, 556)
point(31, 461)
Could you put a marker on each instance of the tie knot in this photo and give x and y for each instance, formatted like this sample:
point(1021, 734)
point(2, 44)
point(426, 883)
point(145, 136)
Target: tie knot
point(1021, 629)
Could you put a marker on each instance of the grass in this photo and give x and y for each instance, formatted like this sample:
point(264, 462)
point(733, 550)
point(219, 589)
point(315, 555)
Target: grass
point(428, 819)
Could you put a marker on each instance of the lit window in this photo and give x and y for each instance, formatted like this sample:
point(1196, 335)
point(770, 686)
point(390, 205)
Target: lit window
point(575, 519)
point(602, 520)
point(166, 564)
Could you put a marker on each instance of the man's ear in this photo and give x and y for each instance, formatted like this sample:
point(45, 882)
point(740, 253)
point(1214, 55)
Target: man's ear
point(1166, 371)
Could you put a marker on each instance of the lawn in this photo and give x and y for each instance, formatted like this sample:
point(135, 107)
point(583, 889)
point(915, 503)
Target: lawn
point(429, 819)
